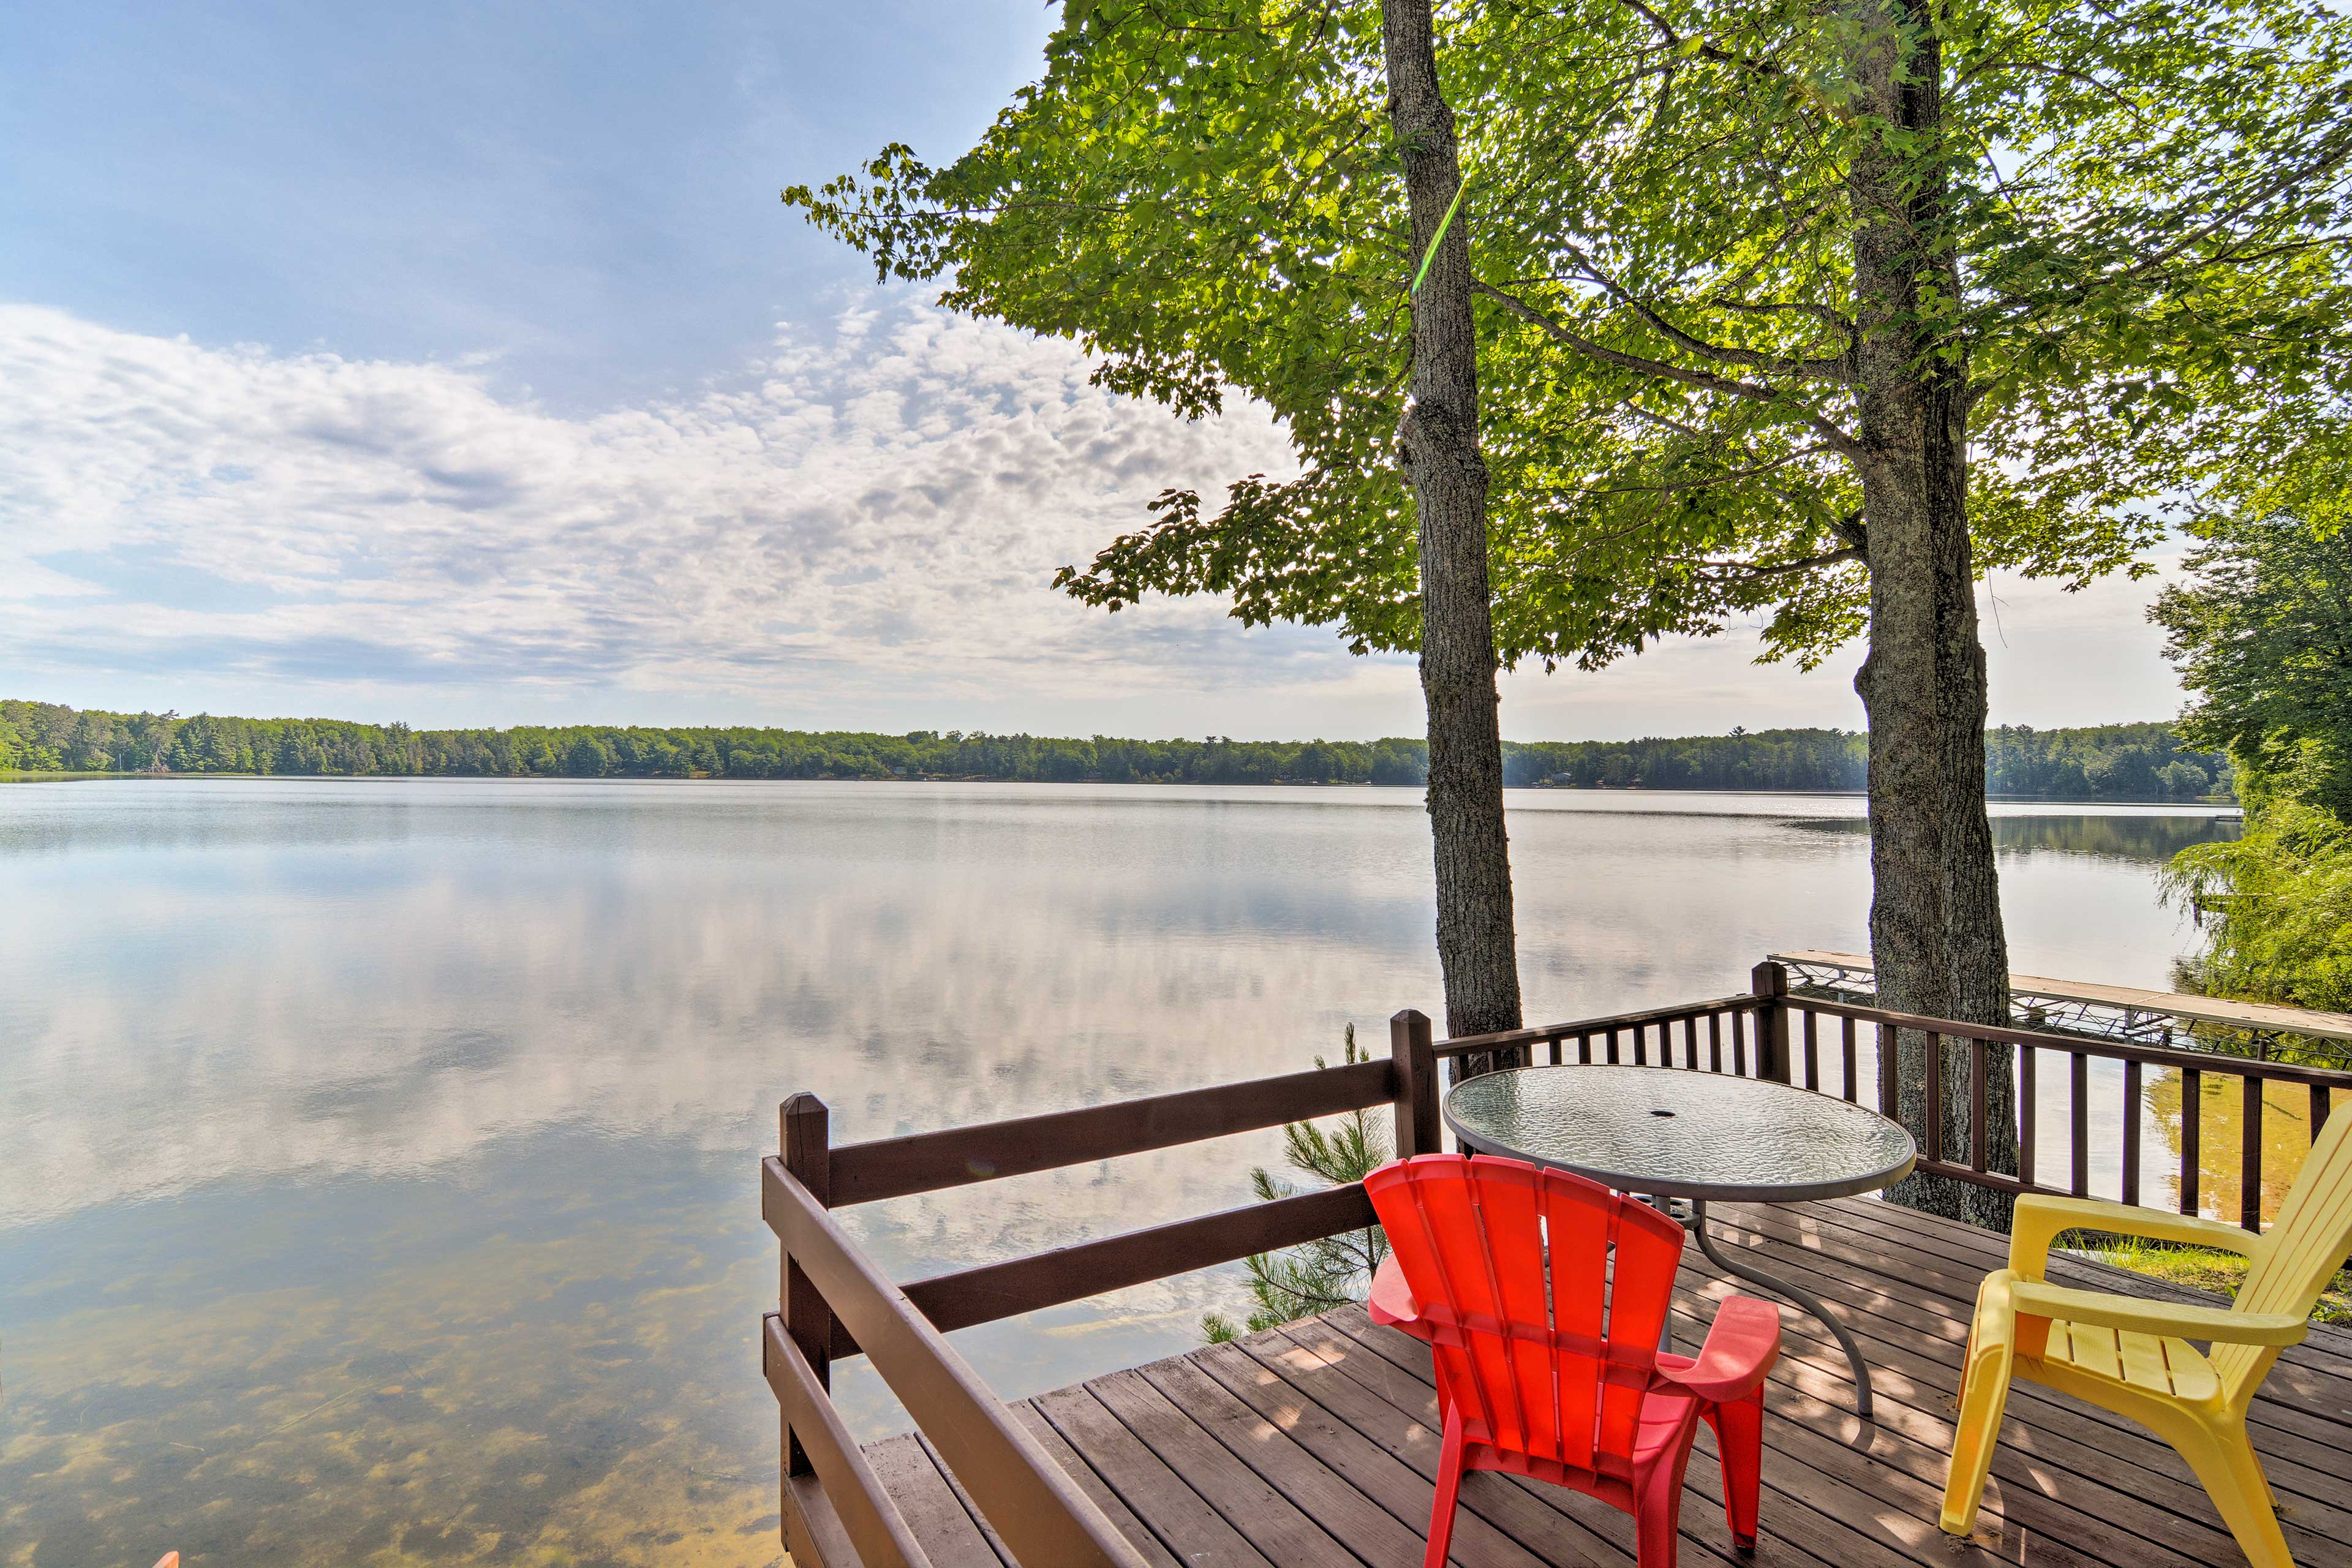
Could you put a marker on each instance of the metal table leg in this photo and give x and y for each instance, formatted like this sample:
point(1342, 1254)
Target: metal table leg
point(1805, 1300)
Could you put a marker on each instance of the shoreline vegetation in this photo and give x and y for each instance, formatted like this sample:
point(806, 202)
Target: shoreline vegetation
point(2258, 628)
point(2119, 763)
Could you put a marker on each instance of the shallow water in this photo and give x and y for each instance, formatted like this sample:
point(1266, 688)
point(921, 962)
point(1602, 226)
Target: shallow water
point(377, 1158)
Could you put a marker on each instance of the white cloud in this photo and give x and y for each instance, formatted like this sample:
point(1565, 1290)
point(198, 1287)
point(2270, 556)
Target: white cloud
point(860, 529)
point(2052, 659)
point(882, 501)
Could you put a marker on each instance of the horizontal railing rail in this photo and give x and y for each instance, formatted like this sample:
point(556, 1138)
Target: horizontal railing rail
point(849, 1515)
point(832, 1299)
point(2126, 1015)
point(1814, 1042)
point(2113, 1050)
point(995, 1290)
point(1618, 1036)
point(928, 1162)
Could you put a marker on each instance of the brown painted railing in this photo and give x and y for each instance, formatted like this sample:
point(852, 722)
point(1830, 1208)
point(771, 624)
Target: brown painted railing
point(1812, 1041)
point(835, 1303)
point(1946, 1039)
point(1738, 1029)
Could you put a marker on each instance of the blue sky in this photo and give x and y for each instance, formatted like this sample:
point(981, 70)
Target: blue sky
point(587, 192)
point(459, 364)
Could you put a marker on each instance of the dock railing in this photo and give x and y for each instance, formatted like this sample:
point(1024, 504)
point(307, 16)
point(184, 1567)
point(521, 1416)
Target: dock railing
point(835, 1303)
point(2134, 1015)
point(1974, 1045)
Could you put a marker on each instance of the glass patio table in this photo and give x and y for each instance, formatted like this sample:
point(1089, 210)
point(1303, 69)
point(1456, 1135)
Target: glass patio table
point(1664, 1133)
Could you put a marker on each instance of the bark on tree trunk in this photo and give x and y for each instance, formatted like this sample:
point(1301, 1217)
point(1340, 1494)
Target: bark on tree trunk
point(1935, 917)
point(1437, 443)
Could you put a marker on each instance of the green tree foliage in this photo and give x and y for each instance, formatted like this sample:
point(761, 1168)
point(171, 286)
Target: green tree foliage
point(2106, 762)
point(2114, 762)
point(2277, 906)
point(2139, 204)
point(1809, 313)
point(2261, 632)
point(1331, 1271)
point(2111, 761)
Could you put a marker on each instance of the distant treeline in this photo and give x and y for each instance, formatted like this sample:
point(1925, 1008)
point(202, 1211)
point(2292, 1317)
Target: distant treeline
point(2106, 762)
point(2114, 762)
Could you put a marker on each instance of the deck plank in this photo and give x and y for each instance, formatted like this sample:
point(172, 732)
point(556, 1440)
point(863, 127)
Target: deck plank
point(1114, 1506)
point(1162, 1499)
point(2304, 1427)
point(1315, 1444)
point(1275, 1456)
point(2048, 1434)
point(1598, 1532)
point(1829, 1516)
point(1272, 1522)
point(1339, 1441)
point(909, 1472)
point(2327, 1354)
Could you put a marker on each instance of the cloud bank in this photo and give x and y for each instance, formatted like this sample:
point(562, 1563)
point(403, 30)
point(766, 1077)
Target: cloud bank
point(858, 529)
point(878, 504)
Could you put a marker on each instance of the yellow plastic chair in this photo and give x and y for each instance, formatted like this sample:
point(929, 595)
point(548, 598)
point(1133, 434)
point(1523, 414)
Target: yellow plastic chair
point(2133, 1356)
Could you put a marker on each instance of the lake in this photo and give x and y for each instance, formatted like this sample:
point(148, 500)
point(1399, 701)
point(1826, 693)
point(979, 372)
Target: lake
point(378, 1157)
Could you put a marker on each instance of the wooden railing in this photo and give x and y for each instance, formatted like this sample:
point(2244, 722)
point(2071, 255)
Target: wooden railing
point(1812, 1042)
point(1739, 1029)
point(835, 1303)
point(1974, 1045)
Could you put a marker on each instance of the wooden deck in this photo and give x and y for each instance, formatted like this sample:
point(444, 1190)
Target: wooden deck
point(1315, 1444)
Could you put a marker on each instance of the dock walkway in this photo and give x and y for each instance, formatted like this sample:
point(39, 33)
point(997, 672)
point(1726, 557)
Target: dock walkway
point(2124, 1011)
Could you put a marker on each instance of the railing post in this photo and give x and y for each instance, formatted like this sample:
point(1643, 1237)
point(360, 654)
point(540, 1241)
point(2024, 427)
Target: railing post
point(808, 1157)
point(1417, 1126)
point(2250, 1155)
point(1770, 981)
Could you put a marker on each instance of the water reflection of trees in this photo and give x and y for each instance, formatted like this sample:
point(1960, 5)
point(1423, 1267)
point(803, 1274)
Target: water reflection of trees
point(2152, 839)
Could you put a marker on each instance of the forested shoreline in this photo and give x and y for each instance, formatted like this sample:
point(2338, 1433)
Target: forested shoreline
point(2111, 761)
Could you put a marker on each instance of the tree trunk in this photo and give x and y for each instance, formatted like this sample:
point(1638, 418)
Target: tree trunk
point(1934, 915)
point(1437, 444)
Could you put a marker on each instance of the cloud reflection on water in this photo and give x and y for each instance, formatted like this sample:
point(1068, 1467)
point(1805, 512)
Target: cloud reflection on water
point(376, 1164)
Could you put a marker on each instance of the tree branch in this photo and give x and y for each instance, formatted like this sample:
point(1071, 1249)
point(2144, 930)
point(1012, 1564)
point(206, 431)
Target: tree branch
point(1766, 69)
point(1749, 358)
point(2332, 153)
point(1821, 313)
point(1709, 482)
point(2046, 67)
point(1839, 442)
point(1781, 568)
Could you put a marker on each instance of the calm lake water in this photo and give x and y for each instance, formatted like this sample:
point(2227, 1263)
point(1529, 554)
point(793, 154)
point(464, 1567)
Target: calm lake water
point(378, 1159)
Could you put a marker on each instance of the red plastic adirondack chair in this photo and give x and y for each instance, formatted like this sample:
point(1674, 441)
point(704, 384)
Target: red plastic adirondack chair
point(1562, 1380)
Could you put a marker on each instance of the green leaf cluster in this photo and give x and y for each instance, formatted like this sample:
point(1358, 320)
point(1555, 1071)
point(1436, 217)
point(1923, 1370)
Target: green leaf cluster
point(2146, 213)
point(2262, 633)
point(2277, 904)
